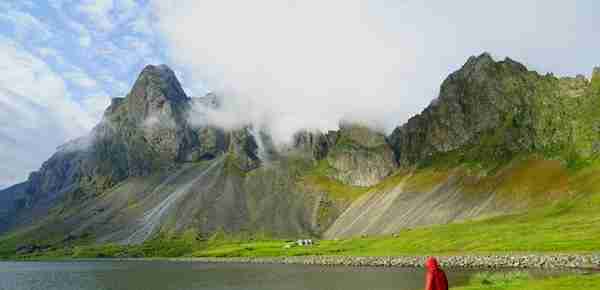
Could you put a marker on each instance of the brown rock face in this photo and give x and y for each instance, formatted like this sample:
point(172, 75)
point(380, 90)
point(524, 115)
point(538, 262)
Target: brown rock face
point(356, 155)
point(360, 156)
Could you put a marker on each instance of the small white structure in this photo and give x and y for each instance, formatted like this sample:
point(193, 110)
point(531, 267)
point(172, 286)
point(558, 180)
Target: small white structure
point(304, 242)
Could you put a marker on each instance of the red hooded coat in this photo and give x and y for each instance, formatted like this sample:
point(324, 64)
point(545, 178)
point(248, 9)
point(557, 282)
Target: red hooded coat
point(436, 278)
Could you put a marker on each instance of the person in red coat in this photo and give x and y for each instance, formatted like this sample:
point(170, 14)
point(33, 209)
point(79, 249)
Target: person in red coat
point(436, 278)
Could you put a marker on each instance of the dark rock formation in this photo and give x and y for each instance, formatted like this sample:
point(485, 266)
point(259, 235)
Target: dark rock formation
point(314, 143)
point(357, 155)
point(489, 111)
point(360, 156)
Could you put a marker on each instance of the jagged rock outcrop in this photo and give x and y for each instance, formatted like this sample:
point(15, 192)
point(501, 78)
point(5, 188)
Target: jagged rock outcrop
point(360, 156)
point(356, 154)
point(492, 110)
point(315, 143)
point(149, 128)
point(244, 148)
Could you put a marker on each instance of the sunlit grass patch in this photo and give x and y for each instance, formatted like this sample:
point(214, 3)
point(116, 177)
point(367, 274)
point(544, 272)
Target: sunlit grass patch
point(522, 280)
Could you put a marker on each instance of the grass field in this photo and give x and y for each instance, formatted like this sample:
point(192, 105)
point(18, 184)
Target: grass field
point(518, 281)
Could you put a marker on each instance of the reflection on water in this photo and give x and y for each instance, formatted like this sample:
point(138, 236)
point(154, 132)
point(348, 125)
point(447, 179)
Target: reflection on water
point(145, 275)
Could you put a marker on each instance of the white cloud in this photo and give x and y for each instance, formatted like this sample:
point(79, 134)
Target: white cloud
point(37, 113)
point(143, 21)
point(289, 67)
point(47, 52)
point(293, 65)
point(85, 40)
point(105, 15)
point(113, 83)
point(95, 105)
point(141, 25)
point(20, 69)
point(58, 4)
point(83, 34)
point(80, 78)
point(17, 4)
point(26, 26)
point(138, 46)
point(125, 9)
point(29, 134)
point(99, 13)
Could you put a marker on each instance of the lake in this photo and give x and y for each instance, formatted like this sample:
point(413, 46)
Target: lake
point(165, 275)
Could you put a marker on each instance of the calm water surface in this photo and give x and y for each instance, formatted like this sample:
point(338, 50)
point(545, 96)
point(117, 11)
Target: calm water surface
point(145, 275)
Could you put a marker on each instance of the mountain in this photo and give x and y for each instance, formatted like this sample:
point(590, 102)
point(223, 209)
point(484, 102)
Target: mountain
point(498, 139)
point(490, 111)
point(147, 169)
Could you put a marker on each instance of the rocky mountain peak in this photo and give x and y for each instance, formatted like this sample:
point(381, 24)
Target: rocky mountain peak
point(361, 134)
point(483, 67)
point(164, 78)
point(156, 91)
point(472, 101)
point(514, 65)
point(481, 60)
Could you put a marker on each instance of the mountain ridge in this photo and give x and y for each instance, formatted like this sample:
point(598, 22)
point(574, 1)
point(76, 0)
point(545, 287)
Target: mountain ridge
point(146, 164)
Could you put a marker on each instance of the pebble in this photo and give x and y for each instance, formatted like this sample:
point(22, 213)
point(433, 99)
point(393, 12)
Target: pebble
point(554, 261)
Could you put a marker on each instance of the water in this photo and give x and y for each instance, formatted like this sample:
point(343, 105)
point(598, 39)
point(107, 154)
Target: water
point(163, 275)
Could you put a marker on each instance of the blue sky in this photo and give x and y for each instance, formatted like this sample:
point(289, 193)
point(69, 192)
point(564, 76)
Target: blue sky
point(281, 65)
point(96, 46)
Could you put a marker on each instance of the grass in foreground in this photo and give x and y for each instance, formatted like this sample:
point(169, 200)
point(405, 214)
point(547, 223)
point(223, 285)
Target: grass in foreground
point(520, 280)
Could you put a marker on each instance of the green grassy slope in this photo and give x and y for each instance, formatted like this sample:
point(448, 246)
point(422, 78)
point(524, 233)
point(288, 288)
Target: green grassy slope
point(510, 281)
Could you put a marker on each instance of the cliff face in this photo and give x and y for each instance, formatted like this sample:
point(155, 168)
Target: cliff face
point(360, 156)
point(148, 130)
point(355, 154)
point(489, 111)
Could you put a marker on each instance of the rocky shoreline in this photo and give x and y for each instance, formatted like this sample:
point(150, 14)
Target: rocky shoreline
point(557, 261)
